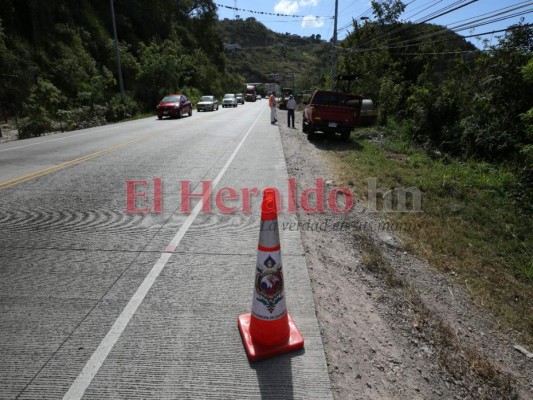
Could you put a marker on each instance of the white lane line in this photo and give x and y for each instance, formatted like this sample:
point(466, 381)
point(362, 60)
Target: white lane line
point(179, 235)
point(84, 379)
point(90, 370)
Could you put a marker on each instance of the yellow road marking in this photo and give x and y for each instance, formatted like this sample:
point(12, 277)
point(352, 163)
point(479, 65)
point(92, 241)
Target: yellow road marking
point(49, 170)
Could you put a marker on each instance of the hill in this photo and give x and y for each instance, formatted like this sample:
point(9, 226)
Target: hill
point(266, 56)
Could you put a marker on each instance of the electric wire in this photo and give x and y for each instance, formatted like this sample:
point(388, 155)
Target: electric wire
point(433, 4)
point(442, 11)
point(463, 27)
point(362, 50)
point(457, 28)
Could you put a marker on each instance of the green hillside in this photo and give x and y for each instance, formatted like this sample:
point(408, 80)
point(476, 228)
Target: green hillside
point(264, 54)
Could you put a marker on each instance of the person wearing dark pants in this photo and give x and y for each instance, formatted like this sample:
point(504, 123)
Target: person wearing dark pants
point(291, 106)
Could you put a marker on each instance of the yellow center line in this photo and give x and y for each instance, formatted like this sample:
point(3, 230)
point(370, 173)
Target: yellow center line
point(49, 170)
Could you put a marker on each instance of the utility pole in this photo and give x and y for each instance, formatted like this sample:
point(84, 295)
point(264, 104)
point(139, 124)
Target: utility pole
point(117, 53)
point(235, 10)
point(334, 67)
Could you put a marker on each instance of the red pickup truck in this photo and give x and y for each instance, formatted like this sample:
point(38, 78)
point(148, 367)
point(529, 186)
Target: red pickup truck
point(332, 112)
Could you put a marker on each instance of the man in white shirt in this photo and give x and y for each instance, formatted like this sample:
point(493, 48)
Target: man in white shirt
point(291, 106)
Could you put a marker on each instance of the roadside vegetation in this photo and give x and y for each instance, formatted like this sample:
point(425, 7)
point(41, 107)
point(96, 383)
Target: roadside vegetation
point(456, 123)
point(475, 223)
point(58, 66)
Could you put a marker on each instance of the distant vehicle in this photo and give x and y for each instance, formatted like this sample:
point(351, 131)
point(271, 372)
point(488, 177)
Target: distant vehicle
point(285, 94)
point(229, 100)
point(250, 93)
point(240, 98)
point(174, 106)
point(258, 97)
point(207, 103)
point(332, 112)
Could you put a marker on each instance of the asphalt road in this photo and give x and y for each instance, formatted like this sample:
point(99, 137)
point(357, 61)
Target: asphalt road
point(100, 302)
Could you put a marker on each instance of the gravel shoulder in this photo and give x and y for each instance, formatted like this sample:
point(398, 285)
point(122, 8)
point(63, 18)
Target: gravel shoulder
point(393, 327)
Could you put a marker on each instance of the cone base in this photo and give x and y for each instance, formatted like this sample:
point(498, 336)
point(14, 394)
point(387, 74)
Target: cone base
point(256, 351)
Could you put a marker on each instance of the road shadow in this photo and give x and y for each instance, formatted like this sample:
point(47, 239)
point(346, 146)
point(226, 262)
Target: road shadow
point(320, 140)
point(334, 142)
point(274, 376)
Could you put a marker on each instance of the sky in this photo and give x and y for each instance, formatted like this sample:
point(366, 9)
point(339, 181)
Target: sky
point(308, 17)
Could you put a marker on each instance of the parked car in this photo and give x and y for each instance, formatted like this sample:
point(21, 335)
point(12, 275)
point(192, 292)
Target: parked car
point(174, 106)
point(207, 103)
point(229, 100)
point(240, 98)
point(331, 112)
point(258, 97)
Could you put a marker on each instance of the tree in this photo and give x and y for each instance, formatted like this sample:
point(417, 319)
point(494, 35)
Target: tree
point(41, 106)
point(163, 68)
point(491, 118)
point(387, 11)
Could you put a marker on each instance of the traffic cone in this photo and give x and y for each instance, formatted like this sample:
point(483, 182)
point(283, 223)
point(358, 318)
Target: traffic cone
point(269, 329)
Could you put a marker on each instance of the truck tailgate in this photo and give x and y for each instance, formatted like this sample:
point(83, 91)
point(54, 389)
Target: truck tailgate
point(334, 115)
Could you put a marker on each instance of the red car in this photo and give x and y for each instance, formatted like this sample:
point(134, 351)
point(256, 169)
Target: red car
point(174, 106)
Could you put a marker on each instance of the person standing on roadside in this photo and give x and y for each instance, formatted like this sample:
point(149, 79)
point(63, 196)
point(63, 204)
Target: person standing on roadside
point(291, 106)
point(272, 105)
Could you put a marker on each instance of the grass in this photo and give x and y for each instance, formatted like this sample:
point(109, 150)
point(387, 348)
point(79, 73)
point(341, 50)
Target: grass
point(472, 225)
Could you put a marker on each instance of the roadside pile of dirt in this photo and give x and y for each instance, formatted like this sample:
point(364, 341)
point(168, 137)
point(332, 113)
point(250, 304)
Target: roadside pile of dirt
point(392, 327)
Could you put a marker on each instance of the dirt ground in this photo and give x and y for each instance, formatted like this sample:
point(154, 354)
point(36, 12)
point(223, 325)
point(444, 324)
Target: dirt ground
point(392, 326)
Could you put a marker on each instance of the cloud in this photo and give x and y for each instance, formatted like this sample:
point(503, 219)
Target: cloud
point(310, 21)
point(286, 7)
point(305, 3)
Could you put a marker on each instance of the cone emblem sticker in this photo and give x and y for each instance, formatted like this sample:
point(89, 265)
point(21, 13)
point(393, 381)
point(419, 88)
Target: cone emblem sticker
point(269, 284)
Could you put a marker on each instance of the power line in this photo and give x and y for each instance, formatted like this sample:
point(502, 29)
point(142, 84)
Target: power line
point(498, 11)
point(265, 12)
point(444, 11)
point(429, 17)
point(455, 28)
point(349, 5)
point(293, 20)
point(491, 16)
point(464, 27)
point(351, 23)
point(356, 50)
point(440, 53)
point(433, 4)
point(438, 13)
point(450, 52)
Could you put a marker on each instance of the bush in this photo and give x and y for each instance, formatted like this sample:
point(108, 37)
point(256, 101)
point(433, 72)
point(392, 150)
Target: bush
point(118, 110)
point(390, 97)
point(34, 127)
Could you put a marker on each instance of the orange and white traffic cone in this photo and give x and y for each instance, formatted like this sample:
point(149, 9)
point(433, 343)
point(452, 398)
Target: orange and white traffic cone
point(269, 329)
